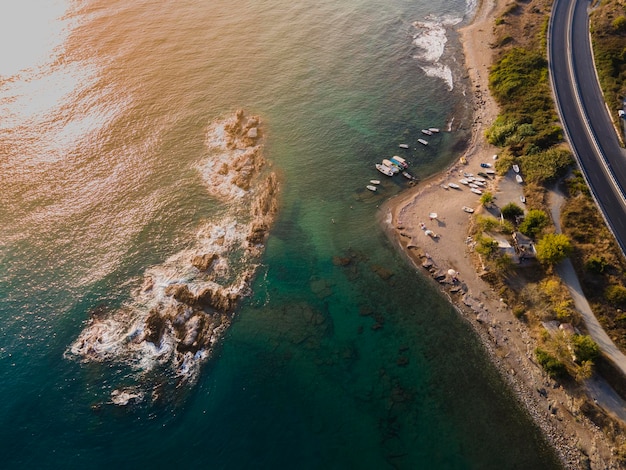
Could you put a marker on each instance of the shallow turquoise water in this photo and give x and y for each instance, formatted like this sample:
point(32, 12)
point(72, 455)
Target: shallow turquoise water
point(326, 365)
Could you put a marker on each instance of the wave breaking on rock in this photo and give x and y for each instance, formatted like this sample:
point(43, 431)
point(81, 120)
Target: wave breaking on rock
point(172, 324)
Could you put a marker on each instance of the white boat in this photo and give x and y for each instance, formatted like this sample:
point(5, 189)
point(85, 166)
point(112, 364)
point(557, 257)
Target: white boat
point(391, 166)
point(433, 129)
point(375, 181)
point(403, 146)
point(464, 181)
point(522, 198)
point(422, 141)
point(454, 186)
point(490, 172)
point(472, 185)
point(427, 132)
point(469, 210)
point(371, 187)
point(519, 179)
point(408, 175)
point(444, 186)
point(468, 174)
point(384, 169)
point(476, 191)
point(516, 168)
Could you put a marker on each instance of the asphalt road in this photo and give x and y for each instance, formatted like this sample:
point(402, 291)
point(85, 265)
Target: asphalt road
point(584, 115)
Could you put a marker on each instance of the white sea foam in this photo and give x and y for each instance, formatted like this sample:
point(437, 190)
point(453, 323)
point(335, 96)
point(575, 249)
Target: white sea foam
point(430, 39)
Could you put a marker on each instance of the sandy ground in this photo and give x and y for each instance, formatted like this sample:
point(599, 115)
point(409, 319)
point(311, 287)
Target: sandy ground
point(579, 443)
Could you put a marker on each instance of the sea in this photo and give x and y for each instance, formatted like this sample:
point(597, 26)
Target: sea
point(340, 355)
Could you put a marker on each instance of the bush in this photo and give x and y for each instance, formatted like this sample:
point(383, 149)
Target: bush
point(545, 166)
point(616, 295)
point(555, 368)
point(511, 211)
point(596, 264)
point(619, 24)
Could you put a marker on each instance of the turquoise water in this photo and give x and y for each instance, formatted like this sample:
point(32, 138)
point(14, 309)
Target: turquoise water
point(104, 119)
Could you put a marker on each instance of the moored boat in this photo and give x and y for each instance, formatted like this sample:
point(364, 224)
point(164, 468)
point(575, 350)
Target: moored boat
point(408, 175)
point(403, 146)
point(469, 210)
point(384, 169)
point(375, 181)
point(464, 181)
point(422, 141)
point(427, 132)
point(433, 129)
point(399, 162)
point(391, 166)
point(476, 191)
point(519, 179)
point(454, 186)
point(516, 168)
point(371, 187)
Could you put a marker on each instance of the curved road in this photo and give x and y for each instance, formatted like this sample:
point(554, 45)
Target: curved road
point(583, 112)
point(592, 137)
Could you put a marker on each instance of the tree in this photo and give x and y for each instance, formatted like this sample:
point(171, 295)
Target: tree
point(553, 248)
point(511, 211)
point(534, 221)
point(585, 348)
point(619, 24)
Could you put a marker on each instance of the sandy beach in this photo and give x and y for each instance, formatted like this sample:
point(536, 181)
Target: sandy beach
point(406, 219)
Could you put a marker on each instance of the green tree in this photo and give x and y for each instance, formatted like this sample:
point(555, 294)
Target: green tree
point(585, 348)
point(511, 211)
point(550, 364)
point(534, 222)
point(553, 248)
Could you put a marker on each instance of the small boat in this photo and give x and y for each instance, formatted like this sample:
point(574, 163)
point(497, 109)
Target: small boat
point(490, 172)
point(371, 187)
point(476, 191)
point(433, 129)
point(408, 175)
point(403, 146)
point(480, 180)
point(522, 198)
point(469, 210)
point(454, 186)
point(422, 141)
point(519, 179)
point(472, 185)
point(444, 186)
point(399, 162)
point(427, 132)
point(464, 181)
point(391, 166)
point(384, 169)
point(480, 183)
point(468, 175)
point(516, 168)
point(375, 181)
point(485, 165)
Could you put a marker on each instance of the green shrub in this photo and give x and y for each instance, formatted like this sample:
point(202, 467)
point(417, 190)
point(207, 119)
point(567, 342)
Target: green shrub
point(545, 166)
point(619, 24)
point(596, 264)
point(555, 368)
point(616, 295)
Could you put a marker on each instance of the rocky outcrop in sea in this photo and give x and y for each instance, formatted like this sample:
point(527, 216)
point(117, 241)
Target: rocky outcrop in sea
point(173, 323)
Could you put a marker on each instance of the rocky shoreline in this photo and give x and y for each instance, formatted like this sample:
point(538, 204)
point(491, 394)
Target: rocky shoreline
point(448, 260)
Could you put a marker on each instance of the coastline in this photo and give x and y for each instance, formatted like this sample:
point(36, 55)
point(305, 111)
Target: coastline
point(577, 441)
